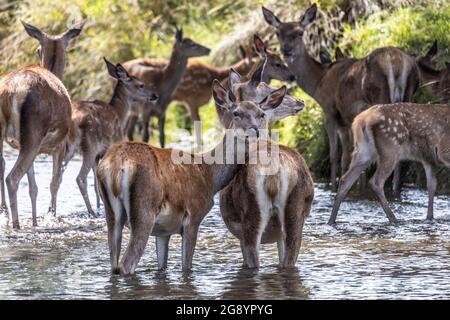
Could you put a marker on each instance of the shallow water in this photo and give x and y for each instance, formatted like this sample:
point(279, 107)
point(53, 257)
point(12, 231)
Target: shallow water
point(363, 257)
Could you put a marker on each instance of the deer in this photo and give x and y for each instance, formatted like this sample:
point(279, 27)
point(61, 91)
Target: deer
point(144, 186)
point(97, 124)
point(267, 203)
point(347, 87)
point(436, 82)
point(194, 90)
point(35, 117)
point(165, 80)
point(388, 134)
point(255, 84)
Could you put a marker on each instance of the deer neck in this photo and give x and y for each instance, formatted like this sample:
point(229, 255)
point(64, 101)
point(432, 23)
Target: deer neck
point(308, 72)
point(225, 160)
point(173, 73)
point(120, 102)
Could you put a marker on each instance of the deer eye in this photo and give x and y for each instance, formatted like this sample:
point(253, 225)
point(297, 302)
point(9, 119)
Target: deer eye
point(236, 113)
point(141, 86)
point(262, 115)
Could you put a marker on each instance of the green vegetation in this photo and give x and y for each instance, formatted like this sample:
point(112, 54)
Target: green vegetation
point(122, 30)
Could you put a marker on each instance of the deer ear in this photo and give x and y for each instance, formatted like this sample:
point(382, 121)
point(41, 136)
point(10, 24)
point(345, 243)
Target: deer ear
point(122, 73)
point(260, 47)
point(338, 54)
point(242, 52)
point(270, 18)
point(274, 99)
point(257, 75)
point(73, 32)
point(33, 31)
point(179, 34)
point(433, 50)
point(112, 70)
point(309, 16)
point(220, 95)
point(233, 78)
point(324, 56)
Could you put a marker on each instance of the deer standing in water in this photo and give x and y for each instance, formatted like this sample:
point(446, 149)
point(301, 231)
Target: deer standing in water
point(437, 82)
point(388, 134)
point(97, 124)
point(143, 185)
point(195, 88)
point(35, 117)
point(165, 80)
point(347, 87)
point(267, 202)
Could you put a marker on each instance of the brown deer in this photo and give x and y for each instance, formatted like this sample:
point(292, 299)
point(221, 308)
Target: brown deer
point(391, 133)
point(346, 87)
point(437, 82)
point(143, 185)
point(35, 117)
point(98, 124)
point(267, 203)
point(195, 88)
point(165, 80)
point(253, 86)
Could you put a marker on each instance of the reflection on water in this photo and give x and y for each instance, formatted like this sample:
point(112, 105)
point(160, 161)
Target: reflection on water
point(363, 257)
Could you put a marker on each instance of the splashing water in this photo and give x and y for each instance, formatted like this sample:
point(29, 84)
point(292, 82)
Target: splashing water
point(363, 257)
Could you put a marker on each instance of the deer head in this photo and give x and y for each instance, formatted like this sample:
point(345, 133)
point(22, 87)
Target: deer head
point(136, 89)
point(52, 49)
point(290, 34)
point(188, 47)
point(248, 117)
point(258, 92)
point(429, 59)
point(275, 67)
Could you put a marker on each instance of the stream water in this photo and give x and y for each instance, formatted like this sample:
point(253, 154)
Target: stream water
point(363, 257)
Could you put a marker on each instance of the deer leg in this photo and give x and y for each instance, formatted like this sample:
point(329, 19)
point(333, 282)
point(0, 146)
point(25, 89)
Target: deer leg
point(189, 239)
point(396, 179)
point(359, 163)
point(293, 240)
point(331, 128)
point(115, 224)
point(195, 118)
point(86, 166)
point(3, 206)
point(345, 136)
point(385, 166)
point(131, 123)
point(281, 246)
point(56, 179)
point(162, 251)
point(161, 125)
point(145, 125)
point(140, 232)
point(97, 196)
point(33, 191)
point(431, 186)
point(22, 165)
point(251, 236)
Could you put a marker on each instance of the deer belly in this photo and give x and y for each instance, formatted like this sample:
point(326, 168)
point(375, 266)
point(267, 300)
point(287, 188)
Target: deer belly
point(167, 223)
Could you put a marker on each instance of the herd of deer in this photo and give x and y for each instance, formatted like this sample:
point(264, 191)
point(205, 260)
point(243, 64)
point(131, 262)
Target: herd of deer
point(366, 102)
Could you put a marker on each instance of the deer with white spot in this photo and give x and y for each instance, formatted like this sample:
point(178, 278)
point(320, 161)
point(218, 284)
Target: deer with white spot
point(97, 124)
point(143, 185)
point(267, 202)
point(388, 134)
point(35, 117)
point(348, 86)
